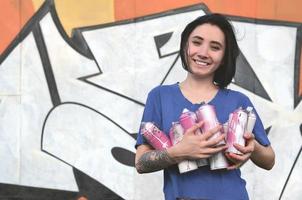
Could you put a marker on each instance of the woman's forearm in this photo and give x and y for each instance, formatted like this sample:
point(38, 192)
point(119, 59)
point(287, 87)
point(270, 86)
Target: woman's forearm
point(191, 146)
point(263, 156)
point(154, 160)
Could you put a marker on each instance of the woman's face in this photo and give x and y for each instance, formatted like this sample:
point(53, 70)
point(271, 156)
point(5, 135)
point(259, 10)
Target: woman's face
point(206, 47)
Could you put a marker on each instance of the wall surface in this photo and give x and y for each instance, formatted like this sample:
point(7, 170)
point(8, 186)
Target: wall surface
point(74, 76)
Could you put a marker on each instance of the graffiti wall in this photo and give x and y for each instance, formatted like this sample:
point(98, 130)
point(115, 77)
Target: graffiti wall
point(74, 76)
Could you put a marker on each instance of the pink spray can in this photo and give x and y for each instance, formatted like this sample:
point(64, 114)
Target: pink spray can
point(207, 114)
point(236, 129)
point(156, 138)
point(188, 119)
point(176, 134)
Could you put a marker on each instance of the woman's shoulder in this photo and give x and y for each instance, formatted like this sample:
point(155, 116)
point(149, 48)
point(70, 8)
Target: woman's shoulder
point(163, 89)
point(234, 94)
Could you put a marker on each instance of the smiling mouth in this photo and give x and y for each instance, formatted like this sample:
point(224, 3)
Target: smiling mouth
point(201, 63)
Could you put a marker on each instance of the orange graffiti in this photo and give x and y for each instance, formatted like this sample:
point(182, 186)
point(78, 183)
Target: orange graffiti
point(270, 9)
point(127, 9)
point(84, 13)
point(13, 15)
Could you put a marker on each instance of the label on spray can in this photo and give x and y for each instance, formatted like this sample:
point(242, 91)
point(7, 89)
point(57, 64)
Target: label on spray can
point(236, 129)
point(207, 114)
point(176, 134)
point(156, 138)
point(188, 119)
point(218, 161)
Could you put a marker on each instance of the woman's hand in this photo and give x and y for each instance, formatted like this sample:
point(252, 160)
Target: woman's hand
point(247, 150)
point(195, 146)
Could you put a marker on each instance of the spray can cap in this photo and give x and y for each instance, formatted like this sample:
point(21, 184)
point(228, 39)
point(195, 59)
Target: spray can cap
point(185, 110)
point(249, 109)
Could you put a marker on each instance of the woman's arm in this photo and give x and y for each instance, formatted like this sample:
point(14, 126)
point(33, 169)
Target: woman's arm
point(262, 156)
point(192, 146)
point(149, 160)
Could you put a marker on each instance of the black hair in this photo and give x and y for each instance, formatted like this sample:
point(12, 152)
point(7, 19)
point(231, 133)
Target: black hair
point(226, 71)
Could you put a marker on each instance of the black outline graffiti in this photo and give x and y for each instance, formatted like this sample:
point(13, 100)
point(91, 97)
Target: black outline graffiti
point(48, 72)
point(81, 175)
point(17, 192)
point(129, 21)
point(246, 78)
point(170, 69)
point(84, 79)
point(85, 106)
point(33, 26)
point(91, 188)
point(297, 96)
point(290, 173)
point(267, 130)
point(47, 7)
point(292, 168)
point(160, 41)
point(124, 156)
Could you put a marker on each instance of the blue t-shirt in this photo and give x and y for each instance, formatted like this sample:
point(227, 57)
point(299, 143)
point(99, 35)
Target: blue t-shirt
point(164, 105)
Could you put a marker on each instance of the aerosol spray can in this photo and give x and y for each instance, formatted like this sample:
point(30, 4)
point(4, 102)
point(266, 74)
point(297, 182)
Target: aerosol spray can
point(156, 138)
point(251, 120)
point(176, 134)
point(188, 119)
point(236, 129)
point(225, 128)
point(207, 114)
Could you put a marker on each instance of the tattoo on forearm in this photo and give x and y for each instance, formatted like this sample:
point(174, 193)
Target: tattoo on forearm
point(153, 161)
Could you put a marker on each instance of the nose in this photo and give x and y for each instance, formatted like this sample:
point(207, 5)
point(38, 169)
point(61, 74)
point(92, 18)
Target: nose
point(203, 51)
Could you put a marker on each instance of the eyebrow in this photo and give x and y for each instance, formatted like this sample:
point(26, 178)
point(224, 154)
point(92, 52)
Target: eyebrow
point(213, 42)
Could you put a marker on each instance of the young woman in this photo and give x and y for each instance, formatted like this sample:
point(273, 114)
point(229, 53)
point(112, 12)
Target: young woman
point(208, 52)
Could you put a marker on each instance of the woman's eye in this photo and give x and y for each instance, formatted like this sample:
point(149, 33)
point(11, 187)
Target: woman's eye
point(196, 42)
point(215, 48)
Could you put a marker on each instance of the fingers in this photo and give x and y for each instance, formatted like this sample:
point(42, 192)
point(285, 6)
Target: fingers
point(215, 141)
point(207, 152)
point(211, 132)
point(236, 157)
point(237, 160)
point(249, 136)
point(247, 149)
point(241, 148)
point(194, 128)
point(235, 163)
point(235, 166)
point(213, 150)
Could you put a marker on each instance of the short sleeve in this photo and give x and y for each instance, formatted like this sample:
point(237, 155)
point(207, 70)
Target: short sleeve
point(151, 114)
point(258, 131)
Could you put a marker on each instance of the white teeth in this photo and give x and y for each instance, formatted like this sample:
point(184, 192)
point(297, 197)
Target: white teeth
point(201, 63)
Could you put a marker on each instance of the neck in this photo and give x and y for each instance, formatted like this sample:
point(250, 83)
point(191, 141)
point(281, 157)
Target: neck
point(198, 90)
point(204, 84)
